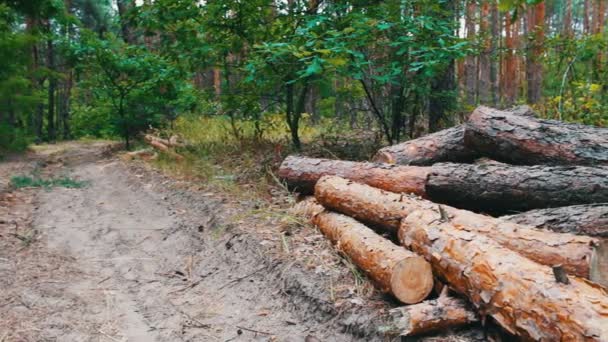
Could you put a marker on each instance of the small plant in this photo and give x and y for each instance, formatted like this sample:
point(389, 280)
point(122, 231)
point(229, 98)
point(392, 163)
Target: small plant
point(37, 182)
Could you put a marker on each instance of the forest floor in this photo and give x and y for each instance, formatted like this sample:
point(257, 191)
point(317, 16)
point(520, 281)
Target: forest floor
point(135, 255)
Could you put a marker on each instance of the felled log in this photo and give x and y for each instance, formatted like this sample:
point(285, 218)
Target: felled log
point(586, 219)
point(580, 255)
point(442, 146)
point(525, 140)
point(301, 174)
point(502, 188)
point(162, 145)
point(394, 269)
point(433, 315)
point(521, 295)
point(491, 188)
point(145, 154)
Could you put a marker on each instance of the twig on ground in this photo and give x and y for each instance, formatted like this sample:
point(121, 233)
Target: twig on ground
point(241, 278)
point(254, 331)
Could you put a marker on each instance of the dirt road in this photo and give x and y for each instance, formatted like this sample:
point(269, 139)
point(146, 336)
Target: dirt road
point(125, 259)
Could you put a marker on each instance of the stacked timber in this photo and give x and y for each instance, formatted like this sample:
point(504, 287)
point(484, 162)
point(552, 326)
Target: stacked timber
point(166, 146)
point(539, 273)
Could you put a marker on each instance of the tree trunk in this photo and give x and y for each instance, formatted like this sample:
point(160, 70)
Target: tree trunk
point(567, 25)
point(470, 64)
point(521, 295)
point(443, 146)
point(579, 255)
point(51, 89)
point(431, 316)
point(534, 67)
point(598, 25)
point(501, 188)
point(586, 15)
point(587, 219)
point(124, 6)
point(524, 140)
point(511, 74)
point(494, 54)
point(441, 100)
point(394, 269)
point(301, 174)
point(485, 84)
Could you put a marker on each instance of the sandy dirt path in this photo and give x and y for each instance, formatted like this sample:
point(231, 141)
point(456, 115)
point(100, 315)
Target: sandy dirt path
point(121, 260)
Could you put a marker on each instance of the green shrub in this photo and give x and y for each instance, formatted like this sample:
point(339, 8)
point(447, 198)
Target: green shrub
point(36, 182)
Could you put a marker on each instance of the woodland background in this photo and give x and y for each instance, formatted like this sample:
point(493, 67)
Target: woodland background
point(232, 76)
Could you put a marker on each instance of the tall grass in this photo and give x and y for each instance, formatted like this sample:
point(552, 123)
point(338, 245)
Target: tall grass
point(241, 158)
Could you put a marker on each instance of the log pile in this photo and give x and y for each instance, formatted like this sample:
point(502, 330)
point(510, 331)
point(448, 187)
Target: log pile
point(166, 146)
point(539, 273)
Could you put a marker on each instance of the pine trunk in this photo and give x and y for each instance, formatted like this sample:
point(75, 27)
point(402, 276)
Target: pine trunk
point(485, 84)
point(394, 269)
point(586, 219)
point(501, 188)
point(443, 146)
point(302, 173)
point(580, 255)
point(525, 140)
point(534, 68)
point(430, 316)
point(470, 64)
point(522, 296)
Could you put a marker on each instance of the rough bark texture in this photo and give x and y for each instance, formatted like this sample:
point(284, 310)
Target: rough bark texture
point(431, 316)
point(521, 295)
point(301, 174)
point(524, 140)
point(484, 84)
point(394, 269)
point(587, 219)
point(443, 146)
point(579, 255)
point(503, 189)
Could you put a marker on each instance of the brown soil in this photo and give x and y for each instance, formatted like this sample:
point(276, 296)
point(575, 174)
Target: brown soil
point(137, 256)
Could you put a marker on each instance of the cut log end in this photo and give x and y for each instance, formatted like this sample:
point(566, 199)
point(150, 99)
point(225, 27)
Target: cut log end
point(412, 280)
point(432, 316)
point(599, 264)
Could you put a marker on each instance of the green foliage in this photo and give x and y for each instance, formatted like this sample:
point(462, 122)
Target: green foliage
point(36, 182)
point(142, 88)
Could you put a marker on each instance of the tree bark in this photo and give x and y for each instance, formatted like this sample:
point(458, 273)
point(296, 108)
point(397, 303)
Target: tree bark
point(521, 295)
point(587, 219)
point(523, 140)
point(301, 174)
point(394, 269)
point(470, 64)
point(443, 146)
point(511, 73)
point(495, 60)
point(485, 86)
point(431, 316)
point(579, 255)
point(124, 6)
point(534, 67)
point(51, 119)
point(501, 188)
point(567, 25)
